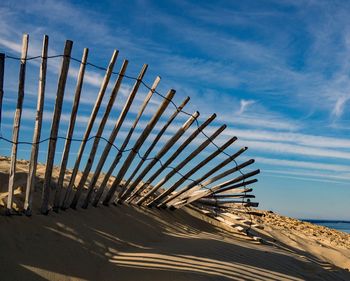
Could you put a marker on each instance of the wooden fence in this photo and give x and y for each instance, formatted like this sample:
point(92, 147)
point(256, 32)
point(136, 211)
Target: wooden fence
point(140, 187)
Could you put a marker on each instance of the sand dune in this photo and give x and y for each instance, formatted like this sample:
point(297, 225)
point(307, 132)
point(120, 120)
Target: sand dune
point(129, 243)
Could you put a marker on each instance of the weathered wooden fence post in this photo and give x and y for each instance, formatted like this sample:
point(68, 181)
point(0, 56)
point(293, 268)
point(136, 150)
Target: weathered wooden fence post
point(57, 199)
point(17, 122)
point(55, 125)
point(37, 129)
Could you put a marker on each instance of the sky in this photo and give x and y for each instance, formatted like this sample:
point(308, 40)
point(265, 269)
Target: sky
point(276, 72)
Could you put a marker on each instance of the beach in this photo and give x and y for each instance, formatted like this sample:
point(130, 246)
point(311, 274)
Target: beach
point(130, 243)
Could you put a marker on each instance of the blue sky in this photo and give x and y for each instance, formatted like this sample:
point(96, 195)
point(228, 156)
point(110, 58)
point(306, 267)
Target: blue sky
point(276, 72)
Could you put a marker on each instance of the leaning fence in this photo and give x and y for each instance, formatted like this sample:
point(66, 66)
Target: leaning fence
point(134, 175)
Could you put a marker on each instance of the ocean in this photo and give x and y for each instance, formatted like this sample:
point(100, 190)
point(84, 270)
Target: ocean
point(338, 225)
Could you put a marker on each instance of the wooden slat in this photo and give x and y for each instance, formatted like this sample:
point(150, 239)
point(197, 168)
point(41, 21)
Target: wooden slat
point(222, 196)
point(232, 157)
point(114, 135)
point(195, 169)
point(228, 184)
point(189, 139)
point(221, 175)
point(216, 189)
point(229, 188)
point(195, 195)
point(182, 164)
point(229, 203)
point(156, 140)
point(215, 200)
point(137, 146)
point(169, 144)
point(236, 191)
point(100, 129)
point(73, 116)
point(54, 127)
point(37, 129)
point(90, 124)
point(17, 122)
point(2, 72)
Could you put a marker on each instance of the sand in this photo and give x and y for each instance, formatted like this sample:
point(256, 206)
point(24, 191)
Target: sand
point(129, 243)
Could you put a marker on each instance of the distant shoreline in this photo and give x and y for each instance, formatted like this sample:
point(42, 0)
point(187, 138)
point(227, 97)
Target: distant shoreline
point(340, 225)
point(321, 220)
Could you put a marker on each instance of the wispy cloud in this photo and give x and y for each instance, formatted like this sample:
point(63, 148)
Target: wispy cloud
point(277, 74)
point(244, 105)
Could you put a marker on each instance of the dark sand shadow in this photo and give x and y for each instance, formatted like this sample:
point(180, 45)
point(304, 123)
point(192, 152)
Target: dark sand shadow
point(126, 243)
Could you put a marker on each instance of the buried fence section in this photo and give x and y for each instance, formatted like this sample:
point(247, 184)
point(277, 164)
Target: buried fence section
point(136, 189)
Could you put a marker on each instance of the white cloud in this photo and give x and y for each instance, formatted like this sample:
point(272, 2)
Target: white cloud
point(244, 105)
point(290, 137)
point(285, 148)
point(303, 164)
point(339, 105)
